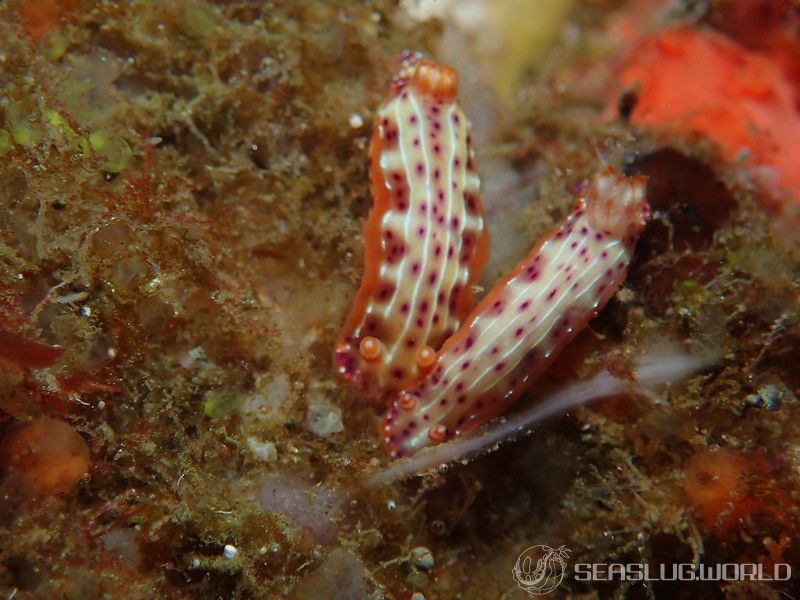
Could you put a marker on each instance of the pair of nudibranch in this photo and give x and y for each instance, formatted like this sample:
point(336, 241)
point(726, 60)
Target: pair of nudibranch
point(413, 331)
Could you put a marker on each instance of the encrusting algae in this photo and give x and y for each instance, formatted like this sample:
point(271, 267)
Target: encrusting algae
point(183, 191)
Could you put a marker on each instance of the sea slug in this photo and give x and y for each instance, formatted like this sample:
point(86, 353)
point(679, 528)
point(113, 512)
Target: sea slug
point(425, 238)
point(519, 328)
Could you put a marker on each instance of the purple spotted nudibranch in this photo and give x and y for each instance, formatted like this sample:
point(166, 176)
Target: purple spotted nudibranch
point(425, 238)
point(519, 328)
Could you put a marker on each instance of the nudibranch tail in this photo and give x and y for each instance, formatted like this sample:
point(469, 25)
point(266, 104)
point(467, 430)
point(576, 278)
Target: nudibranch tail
point(522, 324)
point(425, 238)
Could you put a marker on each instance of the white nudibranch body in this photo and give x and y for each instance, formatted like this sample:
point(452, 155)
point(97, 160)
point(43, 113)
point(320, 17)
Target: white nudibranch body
point(520, 327)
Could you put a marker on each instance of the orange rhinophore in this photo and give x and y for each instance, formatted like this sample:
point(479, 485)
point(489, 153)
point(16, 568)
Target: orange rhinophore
point(425, 239)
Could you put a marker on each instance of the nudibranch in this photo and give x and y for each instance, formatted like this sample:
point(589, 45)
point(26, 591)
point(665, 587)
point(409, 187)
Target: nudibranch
point(522, 324)
point(425, 237)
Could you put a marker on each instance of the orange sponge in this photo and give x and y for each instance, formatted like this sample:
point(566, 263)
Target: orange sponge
point(698, 81)
point(46, 456)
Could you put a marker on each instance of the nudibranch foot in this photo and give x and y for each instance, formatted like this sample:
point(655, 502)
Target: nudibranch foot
point(519, 328)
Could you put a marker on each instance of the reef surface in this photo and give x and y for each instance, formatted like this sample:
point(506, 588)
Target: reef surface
point(182, 191)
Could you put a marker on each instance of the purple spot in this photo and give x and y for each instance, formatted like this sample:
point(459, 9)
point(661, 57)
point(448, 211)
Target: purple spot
point(465, 365)
point(432, 278)
point(404, 307)
point(518, 332)
point(385, 291)
point(461, 399)
point(584, 230)
point(552, 293)
point(499, 366)
point(525, 305)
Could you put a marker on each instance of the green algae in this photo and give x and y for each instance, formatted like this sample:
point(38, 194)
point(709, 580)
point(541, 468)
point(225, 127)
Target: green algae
point(23, 124)
point(114, 150)
point(5, 141)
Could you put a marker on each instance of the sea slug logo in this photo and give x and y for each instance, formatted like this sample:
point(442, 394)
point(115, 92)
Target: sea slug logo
point(540, 569)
